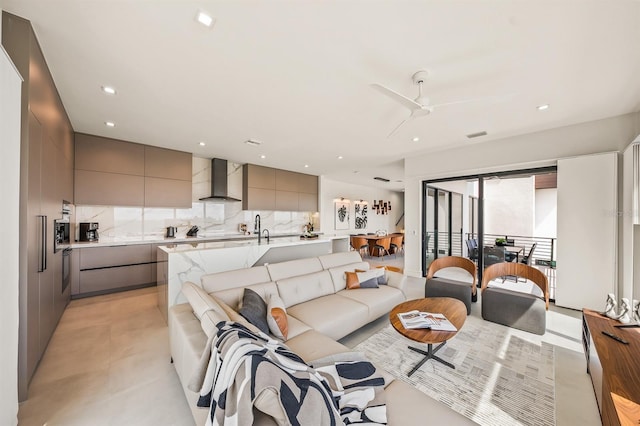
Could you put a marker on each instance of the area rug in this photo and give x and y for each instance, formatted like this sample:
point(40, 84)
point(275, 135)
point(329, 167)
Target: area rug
point(499, 379)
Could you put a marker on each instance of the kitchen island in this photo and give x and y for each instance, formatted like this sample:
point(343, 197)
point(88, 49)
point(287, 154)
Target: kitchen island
point(188, 262)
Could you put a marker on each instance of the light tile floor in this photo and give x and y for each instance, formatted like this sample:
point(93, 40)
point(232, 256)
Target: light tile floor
point(108, 364)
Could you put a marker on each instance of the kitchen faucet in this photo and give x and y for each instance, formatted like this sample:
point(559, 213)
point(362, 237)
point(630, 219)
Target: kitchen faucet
point(256, 227)
point(267, 231)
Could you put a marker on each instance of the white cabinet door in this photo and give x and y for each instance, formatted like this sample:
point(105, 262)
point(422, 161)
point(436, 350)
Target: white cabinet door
point(587, 230)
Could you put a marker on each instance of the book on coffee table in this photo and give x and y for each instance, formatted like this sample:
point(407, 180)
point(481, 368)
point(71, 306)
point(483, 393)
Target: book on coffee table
point(416, 319)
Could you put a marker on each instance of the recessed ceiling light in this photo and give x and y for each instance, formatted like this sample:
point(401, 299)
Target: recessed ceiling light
point(263, 156)
point(416, 139)
point(543, 107)
point(201, 143)
point(340, 157)
point(110, 124)
point(306, 166)
point(204, 18)
point(108, 89)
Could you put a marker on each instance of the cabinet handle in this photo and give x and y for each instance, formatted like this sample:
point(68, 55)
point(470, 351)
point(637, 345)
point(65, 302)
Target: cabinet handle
point(42, 243)
point(44, 246)
point(41, 222)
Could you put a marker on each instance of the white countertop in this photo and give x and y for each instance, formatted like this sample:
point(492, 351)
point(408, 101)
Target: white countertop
point(273, 242)
point(199, 240)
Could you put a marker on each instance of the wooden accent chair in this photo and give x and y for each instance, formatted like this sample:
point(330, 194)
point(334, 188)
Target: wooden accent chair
point(444, 287)
point(360, 244)
point(396, 244)
point(380, 247)
point(516, 309)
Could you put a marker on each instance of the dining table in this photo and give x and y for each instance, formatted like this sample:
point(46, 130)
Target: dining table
point(372, 240)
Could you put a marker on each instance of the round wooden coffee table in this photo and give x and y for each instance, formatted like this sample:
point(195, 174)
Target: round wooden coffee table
point(453, 309)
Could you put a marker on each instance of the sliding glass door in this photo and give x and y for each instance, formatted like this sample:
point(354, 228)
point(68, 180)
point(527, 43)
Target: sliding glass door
point(442, 224)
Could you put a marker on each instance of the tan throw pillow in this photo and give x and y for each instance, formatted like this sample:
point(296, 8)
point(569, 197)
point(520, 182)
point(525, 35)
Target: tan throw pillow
point(352, 280)
point(277, 317)
point(201, 301)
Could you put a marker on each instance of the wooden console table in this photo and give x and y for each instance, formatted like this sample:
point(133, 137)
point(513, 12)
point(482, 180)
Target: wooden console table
point(614, 368)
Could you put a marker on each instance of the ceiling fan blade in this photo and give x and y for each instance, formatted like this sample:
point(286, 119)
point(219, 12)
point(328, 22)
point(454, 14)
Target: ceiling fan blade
point(407, 102)
point(464, 101)
point(398, 126)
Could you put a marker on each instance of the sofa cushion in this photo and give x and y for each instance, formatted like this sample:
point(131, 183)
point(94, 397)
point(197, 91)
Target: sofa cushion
point(200, 301)
point(302, 288)
point(209, 320)
point(234, 279)
point(312, 345)
point(332, 260)
point(332, 315)
point(277, 317)
point(296, 327)
point(233, 296)
point(338, 274)
point(378, 273)
point(235, 316)
point(254, 310)
point(355, 280)
point(379, 301)
point(292, 268)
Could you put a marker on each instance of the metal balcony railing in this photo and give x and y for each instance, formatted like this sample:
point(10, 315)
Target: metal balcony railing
point(544, 256)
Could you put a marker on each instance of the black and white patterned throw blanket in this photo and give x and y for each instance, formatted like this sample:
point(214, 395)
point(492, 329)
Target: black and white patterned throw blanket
point(248, 370)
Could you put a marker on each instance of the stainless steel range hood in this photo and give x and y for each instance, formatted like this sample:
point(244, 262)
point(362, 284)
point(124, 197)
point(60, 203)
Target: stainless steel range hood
point(219, 190)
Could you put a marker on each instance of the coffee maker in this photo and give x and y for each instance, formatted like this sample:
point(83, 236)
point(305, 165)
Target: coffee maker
point(88, 231)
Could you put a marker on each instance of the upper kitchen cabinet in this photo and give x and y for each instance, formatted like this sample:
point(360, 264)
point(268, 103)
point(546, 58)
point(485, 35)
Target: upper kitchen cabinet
point(118, 173)
point(107, 155)
point(167, 163)
point(265, 188)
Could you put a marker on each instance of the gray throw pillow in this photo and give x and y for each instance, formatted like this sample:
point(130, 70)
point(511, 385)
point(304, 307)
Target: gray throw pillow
point(370, 283)
point(254, 310)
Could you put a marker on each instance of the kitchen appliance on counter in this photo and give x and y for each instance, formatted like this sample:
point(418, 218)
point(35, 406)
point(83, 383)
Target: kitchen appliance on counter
point(88, 231)
point(193, 232)
point(171, 232)
point(61, 231)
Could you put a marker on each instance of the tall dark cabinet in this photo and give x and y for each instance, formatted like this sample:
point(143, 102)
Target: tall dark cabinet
point(46, 178)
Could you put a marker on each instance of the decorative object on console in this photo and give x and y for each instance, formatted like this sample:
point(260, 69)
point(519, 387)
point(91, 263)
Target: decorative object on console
point(361, 214)
point(342, 213)
point(381, 207)
point(636, 311)
point(610, 308)
point(624, 316)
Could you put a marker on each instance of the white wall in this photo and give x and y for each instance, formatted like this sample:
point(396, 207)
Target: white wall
point(10, 189)
point(508, 206)
point(331, 190)
point(546, 216)
point(530, 150)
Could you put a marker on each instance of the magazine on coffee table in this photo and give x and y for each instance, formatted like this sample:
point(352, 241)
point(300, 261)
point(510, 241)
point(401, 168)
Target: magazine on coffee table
point(416, 319)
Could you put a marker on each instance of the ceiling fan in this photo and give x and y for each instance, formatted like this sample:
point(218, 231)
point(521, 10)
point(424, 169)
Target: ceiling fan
point(419, 106)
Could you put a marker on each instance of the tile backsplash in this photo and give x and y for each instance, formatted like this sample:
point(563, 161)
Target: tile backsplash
point(213, 218)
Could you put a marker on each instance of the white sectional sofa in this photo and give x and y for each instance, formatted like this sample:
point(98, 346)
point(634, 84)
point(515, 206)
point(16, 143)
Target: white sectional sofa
point(320, 310)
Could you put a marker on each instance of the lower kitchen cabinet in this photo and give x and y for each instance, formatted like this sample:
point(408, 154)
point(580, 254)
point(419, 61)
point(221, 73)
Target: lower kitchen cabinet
point(107, 269)
point(115, 278)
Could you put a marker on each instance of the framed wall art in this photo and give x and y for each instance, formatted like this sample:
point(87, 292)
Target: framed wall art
point(360, 215)
point(342, 214)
